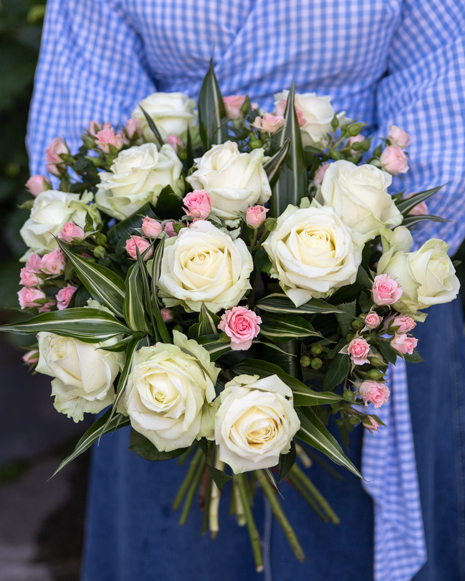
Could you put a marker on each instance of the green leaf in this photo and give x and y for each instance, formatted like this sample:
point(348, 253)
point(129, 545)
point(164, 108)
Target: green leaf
point(286, 462)
point(273, 167)
point(219, 476)
point(212, 113)
point(363, 279)
point(337, 371)
point(213, 345)
point(89, 325)
point(152, 126)
point(144, 448)
point(97, 430)
point(313, 432)
point(156, 269)
point(410, 221)
point(169, 205)
point(189, 151)
point(102, 283)
point(415, 357)
point(292, 183)
point(134, 311)
point(208, 322)
point(287, 327)
point(280, 303)
point(387, 352)
point(121, 231)
point(406, 205)
point(345, 319)
point(146, 289)
point(80, 297)
point(285, 356)
point(261, 260)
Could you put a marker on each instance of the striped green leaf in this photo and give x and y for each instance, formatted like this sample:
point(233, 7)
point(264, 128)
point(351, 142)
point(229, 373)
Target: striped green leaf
point(406, 205)
point(273, 167)
point(89, 325)
point(285, 328)
point(208, 321)
point(313, 432)
point(134, 312)
point(410, 221)
point(102, 283)
point(120, 232)
point(156, 269)
point(213, 345)
point(212, 113)
point(152, 126)
point(280, 303)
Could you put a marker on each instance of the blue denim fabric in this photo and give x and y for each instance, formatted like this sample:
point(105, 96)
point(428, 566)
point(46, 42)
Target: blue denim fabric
point(132, 533)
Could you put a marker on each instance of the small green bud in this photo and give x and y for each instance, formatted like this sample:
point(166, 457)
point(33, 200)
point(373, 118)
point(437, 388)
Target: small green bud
point(255, 143)
point(357, 324)
point(354, 420)
point(316, 363)
point(357, 146)
point(366, 144)
point(316, 348)
point(101, 239)
point(270, 224)
point(305, 361)
point(355, 129)
point(182, 155)
point(177, 328)
point(377, 360)
point(100, 252)
point(374, 374)
point(335, 122)
point(350, 336)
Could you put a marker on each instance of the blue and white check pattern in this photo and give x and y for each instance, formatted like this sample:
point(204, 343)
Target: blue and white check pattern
point(386, 61)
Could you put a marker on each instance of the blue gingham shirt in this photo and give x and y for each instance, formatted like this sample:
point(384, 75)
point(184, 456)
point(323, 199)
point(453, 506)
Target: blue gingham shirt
point(386, 61)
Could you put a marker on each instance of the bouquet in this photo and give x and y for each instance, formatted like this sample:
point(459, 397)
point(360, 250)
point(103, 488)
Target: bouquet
point(224, 281)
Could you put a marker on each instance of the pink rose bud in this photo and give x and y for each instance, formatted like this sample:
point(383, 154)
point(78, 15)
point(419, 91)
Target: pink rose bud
point(372, 320)
point(403, 343)
point(106, 137)
point(370, 423)
point(269, 123)
point(141, 243)
point(133, 128)
point(281, 109)
point(54, 262)
point(404, 323)
point(151, 228)
point(174, 141)
point(70, 232)
point(358, 350)
point(233, 105)
point(64, 296)
point(394, 160)
point(386, 291)
point(53, 153)
point(320, 173)
point(47, 307)
point(398, 137)
point(255, 216)
point(374, 392)
point(38, 184)
point(94, 128)
point(166, 315)
point(27, 297)
point(169, 230)
point(198, 204)
point(29, 277)
point(241, 325)
point(34, 262)
point(31, 357)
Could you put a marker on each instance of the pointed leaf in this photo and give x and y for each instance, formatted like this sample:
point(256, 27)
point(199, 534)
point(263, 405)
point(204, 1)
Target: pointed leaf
point(134, 312)
point(156, 269)
point(219, 476)
point(286, 462)
point(122, 230)
point(189, 151)
point(144, 448)
point(273, 167)
point(208, 322)
point(212, 113)
point(169, 205)
point(280, 303)
point(284, 328)
point(406, 205)
point(337, 371)
point(346, 318)
point(410, 221)
point(152, 126)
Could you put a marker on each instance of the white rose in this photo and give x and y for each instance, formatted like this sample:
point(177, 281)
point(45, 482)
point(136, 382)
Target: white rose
point(360, 197)
point(50, 212)
point(427, 276)
point(313, 253)
point(172, 113)
point(84, 373)
point(204, 265)
point(234, 180)
point(317, 113)
point(137, 176)
point(255, 422)
point(169, 392)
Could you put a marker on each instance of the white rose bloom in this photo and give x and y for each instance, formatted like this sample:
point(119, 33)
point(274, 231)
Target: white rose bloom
point(234, 180)
point(313, 253)
point(172, 113)
point(50, 212)
point(84, 373)
point(255, 422)
point(137, 176)
point(204, 265)
point(427, 276)
point(169, 393)
point(360, 197)
point(318, 113)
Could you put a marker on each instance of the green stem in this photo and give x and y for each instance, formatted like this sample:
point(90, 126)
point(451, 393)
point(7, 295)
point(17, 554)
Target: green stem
point(185, 485)
point(253, 532)
point(317, 494)
point(305, 494)
point(280, 516)
point(192, 489)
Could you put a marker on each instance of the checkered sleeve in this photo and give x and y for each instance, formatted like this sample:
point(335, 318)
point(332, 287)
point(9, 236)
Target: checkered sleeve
point(91, 67)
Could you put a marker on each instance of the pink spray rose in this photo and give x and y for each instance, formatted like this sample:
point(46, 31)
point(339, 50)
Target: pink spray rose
point(241, 325)
point(29, 277)
point(403, 343)
point(133, 128)
point(198, 204)
point(38, 184)
point(27, 297)
point(233, 105)
point(166, 315)
point(404, 322)
point(394, 160)
point(34, 262)
point(358, 350)
point(151, 227)
point(174, 141)
point(372, 320)
point(141, 243)
point(31, 357)
point(398, 137)
point(47, 307)
point(53, 153)
point(255, 216)
point(386, 291)
point(94, 128)
point(374, 392)
point(70, 231)
point(107, 136)
point(54, 262)
point(64, 296)
point(169, 230)
point(320, 173)
point(268, 123)
point(370, 423)
point(281, 108)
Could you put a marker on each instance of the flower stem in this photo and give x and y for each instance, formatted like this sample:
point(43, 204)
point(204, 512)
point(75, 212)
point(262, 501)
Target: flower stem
point(280, 516)
point(192, 489)
point(317, 494)
point(215, 502)
point(295, 481)
point(185, 485)
point(303, 456)
point(238, 506)
point(253, 533)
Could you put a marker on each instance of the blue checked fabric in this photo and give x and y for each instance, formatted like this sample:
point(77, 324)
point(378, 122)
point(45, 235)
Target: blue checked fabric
point(385, 61)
